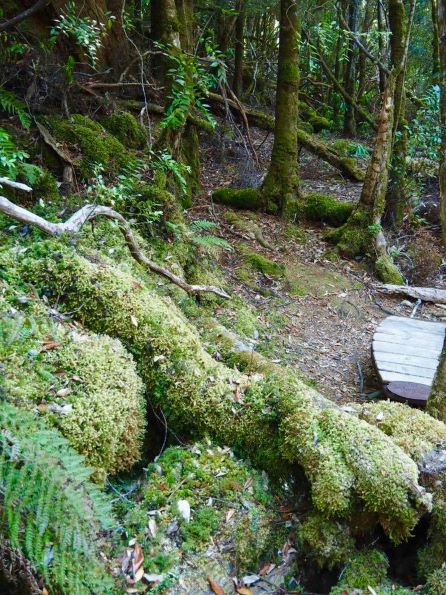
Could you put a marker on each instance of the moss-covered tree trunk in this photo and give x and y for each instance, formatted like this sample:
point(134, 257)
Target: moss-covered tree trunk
point(271, 415)
point(350, 68)
point(442, 33)
point(239, 48)
point(436, 68)
point(363, 228)
point(281, 184)
point(396, 196)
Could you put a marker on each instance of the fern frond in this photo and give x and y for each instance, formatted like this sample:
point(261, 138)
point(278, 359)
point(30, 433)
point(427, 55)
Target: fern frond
point(203, 225)
point(48, 507)
point(10, 103)
point(211, 242)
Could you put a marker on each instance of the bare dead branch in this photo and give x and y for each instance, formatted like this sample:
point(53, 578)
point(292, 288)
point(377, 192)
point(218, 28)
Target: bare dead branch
point(75, 223)
point(426, 294)
point(39, 5)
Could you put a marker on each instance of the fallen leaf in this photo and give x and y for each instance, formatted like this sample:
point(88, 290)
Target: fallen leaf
point(44, 591)
point(251, 579)
point(216, 589)
point(229, 515)
point(266, 569)
point(184, 509)
point(138, 557)
point(244, 591)
point(152, 528)
point(63, 392)
point(139, 574)
point(49, 344)
point(133, 320)
point(154, 578)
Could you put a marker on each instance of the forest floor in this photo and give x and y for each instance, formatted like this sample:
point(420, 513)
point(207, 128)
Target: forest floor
point(327, 324)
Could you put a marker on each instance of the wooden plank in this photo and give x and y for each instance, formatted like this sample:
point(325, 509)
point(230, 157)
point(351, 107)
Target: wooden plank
point(379, 346)
point(410, 323)
point(408, 370)
point(392, 330)
point(432, 343)
point(394, 376)
point(412, 360)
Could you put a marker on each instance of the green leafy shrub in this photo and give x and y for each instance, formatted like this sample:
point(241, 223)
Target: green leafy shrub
point(49, 509)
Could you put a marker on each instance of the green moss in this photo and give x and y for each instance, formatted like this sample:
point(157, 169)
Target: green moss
point(328, 542)
point(317, 121)
point(365, 569)
point(230, 503)
point(45, 187)
point(303, 279)
point(126, 128)
point(436, 583)
point(263, 265)
point(244, 198)
point(387, 271)
point(96, 146)
point(353, 238)
point(325, 209)
point(85, 385)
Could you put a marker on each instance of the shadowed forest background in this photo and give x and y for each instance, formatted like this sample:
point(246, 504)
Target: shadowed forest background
point(206, 210)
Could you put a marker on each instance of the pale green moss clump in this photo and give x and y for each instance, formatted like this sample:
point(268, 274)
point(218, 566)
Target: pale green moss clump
point(387, 271)
point(243, 198)
point(264, 265)
point(84, 385)
point(276, 419)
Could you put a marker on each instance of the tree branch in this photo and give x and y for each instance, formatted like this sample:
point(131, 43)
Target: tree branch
point(75, 223)
point(39, 5)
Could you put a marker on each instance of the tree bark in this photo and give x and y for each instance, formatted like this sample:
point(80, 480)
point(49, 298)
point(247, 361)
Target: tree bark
point(436, 68)
point(350, 69)
point(281, 184)
point(442, 174)
point(239, 49)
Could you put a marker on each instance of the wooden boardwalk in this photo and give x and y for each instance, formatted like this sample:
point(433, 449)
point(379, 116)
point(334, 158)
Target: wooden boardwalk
point(407, 353)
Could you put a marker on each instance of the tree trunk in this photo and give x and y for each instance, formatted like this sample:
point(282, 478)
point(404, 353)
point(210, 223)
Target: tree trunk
point(164, 29)
point(237, 82)
point(436, 68)
point(442, 39)
point(396, 197)
point(281, 184)
point(382, 43)
point(350, 68)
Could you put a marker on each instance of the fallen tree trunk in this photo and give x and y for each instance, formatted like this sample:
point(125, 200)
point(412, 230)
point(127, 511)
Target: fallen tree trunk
point(275, 418)
point(345, 165)
point(425, 294)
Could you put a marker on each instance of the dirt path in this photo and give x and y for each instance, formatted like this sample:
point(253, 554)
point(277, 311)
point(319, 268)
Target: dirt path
point(326, 330)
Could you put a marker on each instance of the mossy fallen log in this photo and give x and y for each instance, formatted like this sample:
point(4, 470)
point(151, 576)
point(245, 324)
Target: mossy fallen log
point(275, 418)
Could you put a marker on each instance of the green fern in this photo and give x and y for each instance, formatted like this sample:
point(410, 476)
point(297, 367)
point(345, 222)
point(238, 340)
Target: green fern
point(211, 242)
point(49, 509)
point(10, 103)
point(203, 225)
